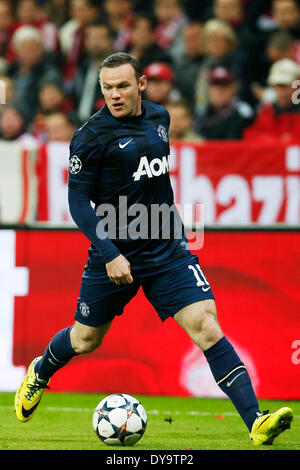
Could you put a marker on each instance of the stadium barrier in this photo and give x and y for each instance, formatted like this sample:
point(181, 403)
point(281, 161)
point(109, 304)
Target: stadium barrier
point(238, 183)
point(18, 183)
point(254, 274)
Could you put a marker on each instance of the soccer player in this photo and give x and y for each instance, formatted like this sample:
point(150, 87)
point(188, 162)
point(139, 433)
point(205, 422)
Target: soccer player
point(119, 162)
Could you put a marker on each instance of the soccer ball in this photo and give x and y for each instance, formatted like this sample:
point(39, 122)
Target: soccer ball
point(119, 419)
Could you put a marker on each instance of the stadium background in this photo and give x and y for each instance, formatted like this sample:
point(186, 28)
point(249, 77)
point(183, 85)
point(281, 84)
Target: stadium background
point(235, 148)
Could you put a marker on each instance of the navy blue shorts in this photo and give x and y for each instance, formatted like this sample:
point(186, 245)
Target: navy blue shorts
point(168, 288)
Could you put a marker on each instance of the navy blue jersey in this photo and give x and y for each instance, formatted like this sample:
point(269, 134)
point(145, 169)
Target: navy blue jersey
point(123, 163)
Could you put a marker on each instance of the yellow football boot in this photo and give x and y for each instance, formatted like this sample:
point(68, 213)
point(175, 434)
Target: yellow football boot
point(29, 394)
point(268, 426)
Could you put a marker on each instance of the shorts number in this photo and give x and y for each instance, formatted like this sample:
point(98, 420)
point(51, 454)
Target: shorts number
point(200, 283)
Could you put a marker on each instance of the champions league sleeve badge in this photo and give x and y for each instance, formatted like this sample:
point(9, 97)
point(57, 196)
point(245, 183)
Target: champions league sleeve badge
point(75, 165)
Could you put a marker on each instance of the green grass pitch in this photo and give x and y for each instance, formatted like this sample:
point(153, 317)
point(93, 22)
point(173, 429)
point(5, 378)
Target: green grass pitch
point(64, 422)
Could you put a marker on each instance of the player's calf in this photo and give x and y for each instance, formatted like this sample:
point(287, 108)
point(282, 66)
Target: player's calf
point(200, 322)
point(85, 339)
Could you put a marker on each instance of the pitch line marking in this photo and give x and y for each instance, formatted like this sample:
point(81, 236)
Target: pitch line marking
point(149, 412)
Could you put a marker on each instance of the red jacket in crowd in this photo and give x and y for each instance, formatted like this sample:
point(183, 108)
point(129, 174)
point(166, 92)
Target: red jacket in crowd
point(272, 124)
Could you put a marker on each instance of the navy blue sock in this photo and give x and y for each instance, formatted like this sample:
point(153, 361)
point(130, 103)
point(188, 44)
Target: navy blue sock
point(58, 352)
point(232, 377)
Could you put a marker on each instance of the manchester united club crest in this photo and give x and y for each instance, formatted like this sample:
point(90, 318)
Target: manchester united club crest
point(84, 309)
point(75, 165)
point(162, 132)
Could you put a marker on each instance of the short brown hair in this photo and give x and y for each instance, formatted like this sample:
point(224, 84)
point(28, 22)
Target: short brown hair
point(121, 58)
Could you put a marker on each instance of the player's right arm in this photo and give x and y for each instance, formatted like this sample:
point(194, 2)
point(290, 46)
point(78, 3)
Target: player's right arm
point(118, 271)
point(84, 169)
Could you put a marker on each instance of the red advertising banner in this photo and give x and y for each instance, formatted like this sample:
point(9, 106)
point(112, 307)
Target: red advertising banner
point(254, 276)
point(239, 183)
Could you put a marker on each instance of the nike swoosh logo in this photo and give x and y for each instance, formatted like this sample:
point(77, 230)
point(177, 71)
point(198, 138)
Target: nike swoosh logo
point(124, 145)
point(269, 416)
point(205, 289)
point(27, 413)
point(229, 383)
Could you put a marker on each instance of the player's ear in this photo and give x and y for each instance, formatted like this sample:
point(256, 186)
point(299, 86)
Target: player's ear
point(143, 83)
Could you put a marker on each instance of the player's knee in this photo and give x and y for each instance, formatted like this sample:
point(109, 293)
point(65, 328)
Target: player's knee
point(205, 323)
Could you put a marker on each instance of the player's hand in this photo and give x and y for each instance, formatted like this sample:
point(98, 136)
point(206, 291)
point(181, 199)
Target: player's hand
point(118, 271)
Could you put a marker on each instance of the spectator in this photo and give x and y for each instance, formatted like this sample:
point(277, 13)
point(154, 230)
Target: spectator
point(220, 49)
point(143, 43)
point(119, 14)
point(83, 12)
point(57, 11)
point(98, 44)
point(225, 116)
point(32, 67)
point(253, 34)
point(68, 30)
point(13, 124)
point(281, 120)
point(286, 14)
point(28, 12)
point(171, 19)
point(160, 88)
point(219, 38)
point(284, 18)
point(52, 98)
point(229, 11)
point(281, 45)
point(233, 12)
point(186, 67)
point(59, 127)
point(7, 28)
point(181, 122)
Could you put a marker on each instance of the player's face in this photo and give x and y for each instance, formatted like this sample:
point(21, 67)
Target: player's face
point(122, 91)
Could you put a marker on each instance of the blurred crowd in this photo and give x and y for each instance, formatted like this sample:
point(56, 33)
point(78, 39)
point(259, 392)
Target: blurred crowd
point(224, 69)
